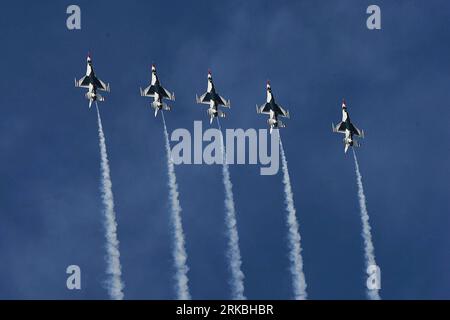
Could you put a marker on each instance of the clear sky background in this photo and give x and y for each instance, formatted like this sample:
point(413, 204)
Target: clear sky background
point(396, 81)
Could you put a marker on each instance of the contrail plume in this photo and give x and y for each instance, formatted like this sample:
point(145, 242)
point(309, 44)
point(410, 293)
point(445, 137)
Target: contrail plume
point(233, 253)
point(369, 250)
point(114, 269)
point(298, 277)
point(179, 250)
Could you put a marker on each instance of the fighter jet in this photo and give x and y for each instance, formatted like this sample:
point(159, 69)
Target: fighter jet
point(92, 83)
point(347, 128)
point(158, 93)
point(273, 110)
point(214, 100)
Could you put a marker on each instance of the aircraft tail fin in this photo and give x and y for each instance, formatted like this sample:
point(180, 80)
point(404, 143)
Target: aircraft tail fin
point(167, 107)
point(100, 97)
point(158, 106)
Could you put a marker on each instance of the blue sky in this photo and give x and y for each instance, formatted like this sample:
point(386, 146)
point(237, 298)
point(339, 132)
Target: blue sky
point(315, 53)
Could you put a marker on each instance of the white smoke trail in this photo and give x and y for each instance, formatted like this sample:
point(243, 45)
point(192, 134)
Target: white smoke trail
point(179, 251)
point(233, 253)
point(114, 269)
point(298, 277)
point(369, 250)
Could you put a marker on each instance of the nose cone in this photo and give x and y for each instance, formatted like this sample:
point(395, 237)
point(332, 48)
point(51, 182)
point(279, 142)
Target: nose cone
point(89, 57)
point(153, 68)
point(209, 74)
point(268, 85)
point(344, 106)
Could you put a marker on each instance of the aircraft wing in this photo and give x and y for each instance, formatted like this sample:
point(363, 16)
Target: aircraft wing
point(167, 94)
point(101, 85)
point(279, 110)
point(340, 127)
point(204, 98)
point(356, 131)
point(83, 82)
point(224, 102)
point(149, 91)
point(264, 109)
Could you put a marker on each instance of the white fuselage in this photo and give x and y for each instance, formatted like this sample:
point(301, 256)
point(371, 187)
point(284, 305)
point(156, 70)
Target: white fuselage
point(212, 102)
point(272, 118)
point(272, 115)
point(348, 139)
point(269, 95)
point(91, 94)
point(89, 72)
point(157, 99)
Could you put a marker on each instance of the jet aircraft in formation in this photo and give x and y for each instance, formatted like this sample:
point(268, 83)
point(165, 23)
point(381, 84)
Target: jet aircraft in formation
point(214, 100)
point(273, 110)
point(156, 91)
point(92, 83)
point(348, 129)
